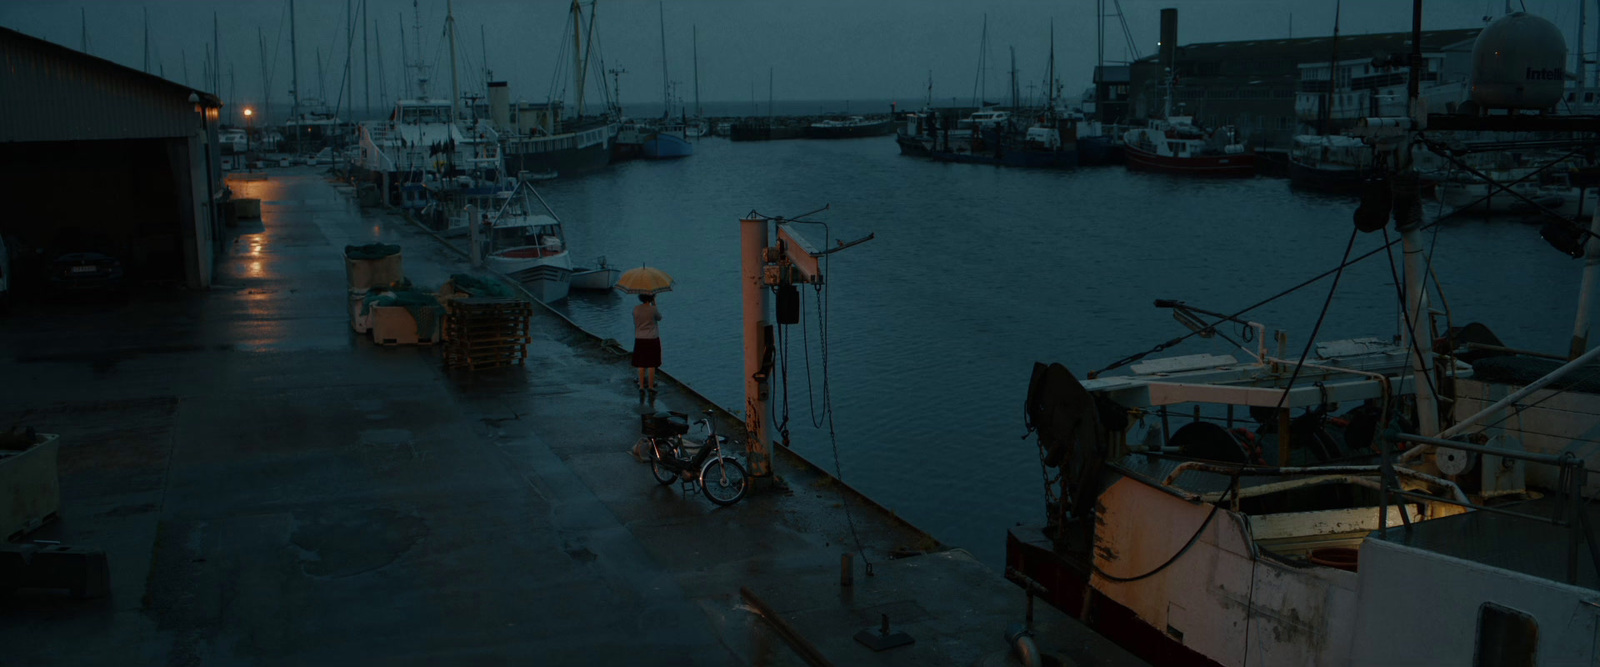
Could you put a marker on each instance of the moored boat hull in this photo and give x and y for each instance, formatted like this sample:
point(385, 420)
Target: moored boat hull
point(602, 279)
point(1337, 181)
point(877, 129)
point(1238, 165)
point(664, 146)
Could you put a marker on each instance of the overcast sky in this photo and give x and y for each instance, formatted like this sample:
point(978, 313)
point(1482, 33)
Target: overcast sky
point(816, 49)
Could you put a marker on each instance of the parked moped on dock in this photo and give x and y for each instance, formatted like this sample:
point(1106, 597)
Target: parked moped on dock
point(675, 459)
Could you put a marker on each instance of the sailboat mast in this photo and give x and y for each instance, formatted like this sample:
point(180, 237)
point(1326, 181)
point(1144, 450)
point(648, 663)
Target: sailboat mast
point(216, 56)
point(695, 36)
point(588, 50)
point(294, 69)
point(577, 55)
point(147, 34)
point(1050, 78)
point(377, 45)
point(366, 57)
point(1583, 17)
point(83, 16)
point(405, 81)
point(1014, 91)
point(455, 84)
point(266, 90)
point(1326, 116)
point(348, 90)
point(666, 86)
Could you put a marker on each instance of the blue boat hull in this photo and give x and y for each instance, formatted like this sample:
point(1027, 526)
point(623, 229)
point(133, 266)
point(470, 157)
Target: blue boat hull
point(665, 146)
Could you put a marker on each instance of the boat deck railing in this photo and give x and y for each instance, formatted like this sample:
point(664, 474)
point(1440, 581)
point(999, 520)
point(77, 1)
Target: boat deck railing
point(1567, 512)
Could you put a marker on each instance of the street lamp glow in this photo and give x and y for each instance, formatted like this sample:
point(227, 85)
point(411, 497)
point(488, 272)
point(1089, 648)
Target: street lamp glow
point(249, 111)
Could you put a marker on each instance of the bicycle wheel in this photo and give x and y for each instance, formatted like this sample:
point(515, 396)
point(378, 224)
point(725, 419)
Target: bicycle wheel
point(723, 481)
point(664, 475)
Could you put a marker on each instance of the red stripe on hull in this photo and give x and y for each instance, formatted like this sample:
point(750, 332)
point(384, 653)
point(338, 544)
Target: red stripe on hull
point(1031, 554)
point(1243, 164)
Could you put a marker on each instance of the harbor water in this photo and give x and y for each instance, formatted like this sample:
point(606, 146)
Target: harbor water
point(977, 272)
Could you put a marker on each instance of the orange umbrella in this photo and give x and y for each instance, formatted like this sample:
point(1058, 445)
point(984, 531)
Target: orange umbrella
point(644, 280)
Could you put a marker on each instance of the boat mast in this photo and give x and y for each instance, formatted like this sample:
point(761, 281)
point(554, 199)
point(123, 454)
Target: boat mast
point(695, 37)
point(348, 90)
point(577, 55)
point(455, 84)
point(147, 34)
point(588, 51)
point(1014, 91)
point(1326, 116)
point(666, 87)
point(405, 81)
point(1409, 223)
point(294, 70)
point(1583, 17)
point(83, 16)
point(266, 89)
point(1050, 77)
point(366, 58)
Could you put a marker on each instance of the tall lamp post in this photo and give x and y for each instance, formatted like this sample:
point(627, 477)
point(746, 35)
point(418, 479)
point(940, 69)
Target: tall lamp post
point(249, 114)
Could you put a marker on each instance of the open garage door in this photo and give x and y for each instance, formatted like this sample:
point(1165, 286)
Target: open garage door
point(125, 198)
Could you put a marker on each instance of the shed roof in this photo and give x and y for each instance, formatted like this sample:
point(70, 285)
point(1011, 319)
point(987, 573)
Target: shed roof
point(55, 93)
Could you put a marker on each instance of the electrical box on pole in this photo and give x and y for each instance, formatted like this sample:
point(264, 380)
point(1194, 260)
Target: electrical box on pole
point(767, 268)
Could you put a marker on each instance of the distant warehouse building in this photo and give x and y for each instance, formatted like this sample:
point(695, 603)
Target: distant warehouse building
point(1273, 89)
point(98, 157)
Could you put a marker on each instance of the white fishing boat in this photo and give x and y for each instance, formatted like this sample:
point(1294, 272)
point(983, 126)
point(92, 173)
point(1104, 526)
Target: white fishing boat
point(1418, 501)
point(600, 278)
point(529, 246)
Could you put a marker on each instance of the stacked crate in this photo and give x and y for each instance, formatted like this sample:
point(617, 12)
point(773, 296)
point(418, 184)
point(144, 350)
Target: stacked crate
point(486, 333)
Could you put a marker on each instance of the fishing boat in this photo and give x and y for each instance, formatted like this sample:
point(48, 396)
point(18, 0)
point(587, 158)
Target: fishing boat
point(600, 278)
point(666, 141)
point(849, 128)
point(919, 133)
point(542, 138)
point(1176, 145)
point(1330, 163)
point(1099, 144)
point(1362, 502)
point(530, 247)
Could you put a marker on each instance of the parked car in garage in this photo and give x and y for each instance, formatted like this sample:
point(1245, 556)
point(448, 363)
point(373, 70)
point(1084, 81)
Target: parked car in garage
point(5, 276)
point(86, 271)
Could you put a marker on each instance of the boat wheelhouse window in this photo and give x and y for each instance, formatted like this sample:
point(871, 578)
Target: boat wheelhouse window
point(1506, 638)
point(510, 235)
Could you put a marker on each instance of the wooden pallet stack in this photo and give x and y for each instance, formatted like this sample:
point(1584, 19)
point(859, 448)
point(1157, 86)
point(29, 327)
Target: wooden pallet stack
point(486, 333)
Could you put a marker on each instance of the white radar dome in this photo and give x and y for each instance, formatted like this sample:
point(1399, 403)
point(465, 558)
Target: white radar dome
point(1519, 62)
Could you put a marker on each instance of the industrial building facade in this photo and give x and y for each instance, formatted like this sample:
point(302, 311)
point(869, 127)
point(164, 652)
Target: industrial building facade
point(98, 157)
point(1273, 89)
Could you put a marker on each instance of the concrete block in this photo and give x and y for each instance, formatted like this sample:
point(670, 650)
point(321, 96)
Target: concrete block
point(30, 492)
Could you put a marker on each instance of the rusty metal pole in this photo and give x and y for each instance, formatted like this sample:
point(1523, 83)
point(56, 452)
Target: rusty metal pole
point(758, 432)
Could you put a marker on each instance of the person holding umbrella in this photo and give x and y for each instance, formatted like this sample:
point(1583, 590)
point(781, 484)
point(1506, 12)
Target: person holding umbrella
point(647, 283)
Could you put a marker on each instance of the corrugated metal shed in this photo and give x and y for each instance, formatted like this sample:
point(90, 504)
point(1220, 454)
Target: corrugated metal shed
point(49, 92)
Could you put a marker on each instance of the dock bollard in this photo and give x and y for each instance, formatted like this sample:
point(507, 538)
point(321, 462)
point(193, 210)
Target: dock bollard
point(847, 574)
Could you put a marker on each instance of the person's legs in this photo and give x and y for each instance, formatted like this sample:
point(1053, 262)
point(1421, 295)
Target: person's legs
point(651, 373)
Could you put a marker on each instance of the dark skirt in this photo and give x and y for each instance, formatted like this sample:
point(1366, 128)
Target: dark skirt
point(647, 353)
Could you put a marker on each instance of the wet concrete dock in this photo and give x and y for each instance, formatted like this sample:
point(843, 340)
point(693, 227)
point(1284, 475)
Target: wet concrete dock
point(273, 489)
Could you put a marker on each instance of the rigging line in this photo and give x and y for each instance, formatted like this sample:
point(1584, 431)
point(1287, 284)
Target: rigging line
point(1162, 346)
point(805, 346)
point(827, 403)
point(1312, 339)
